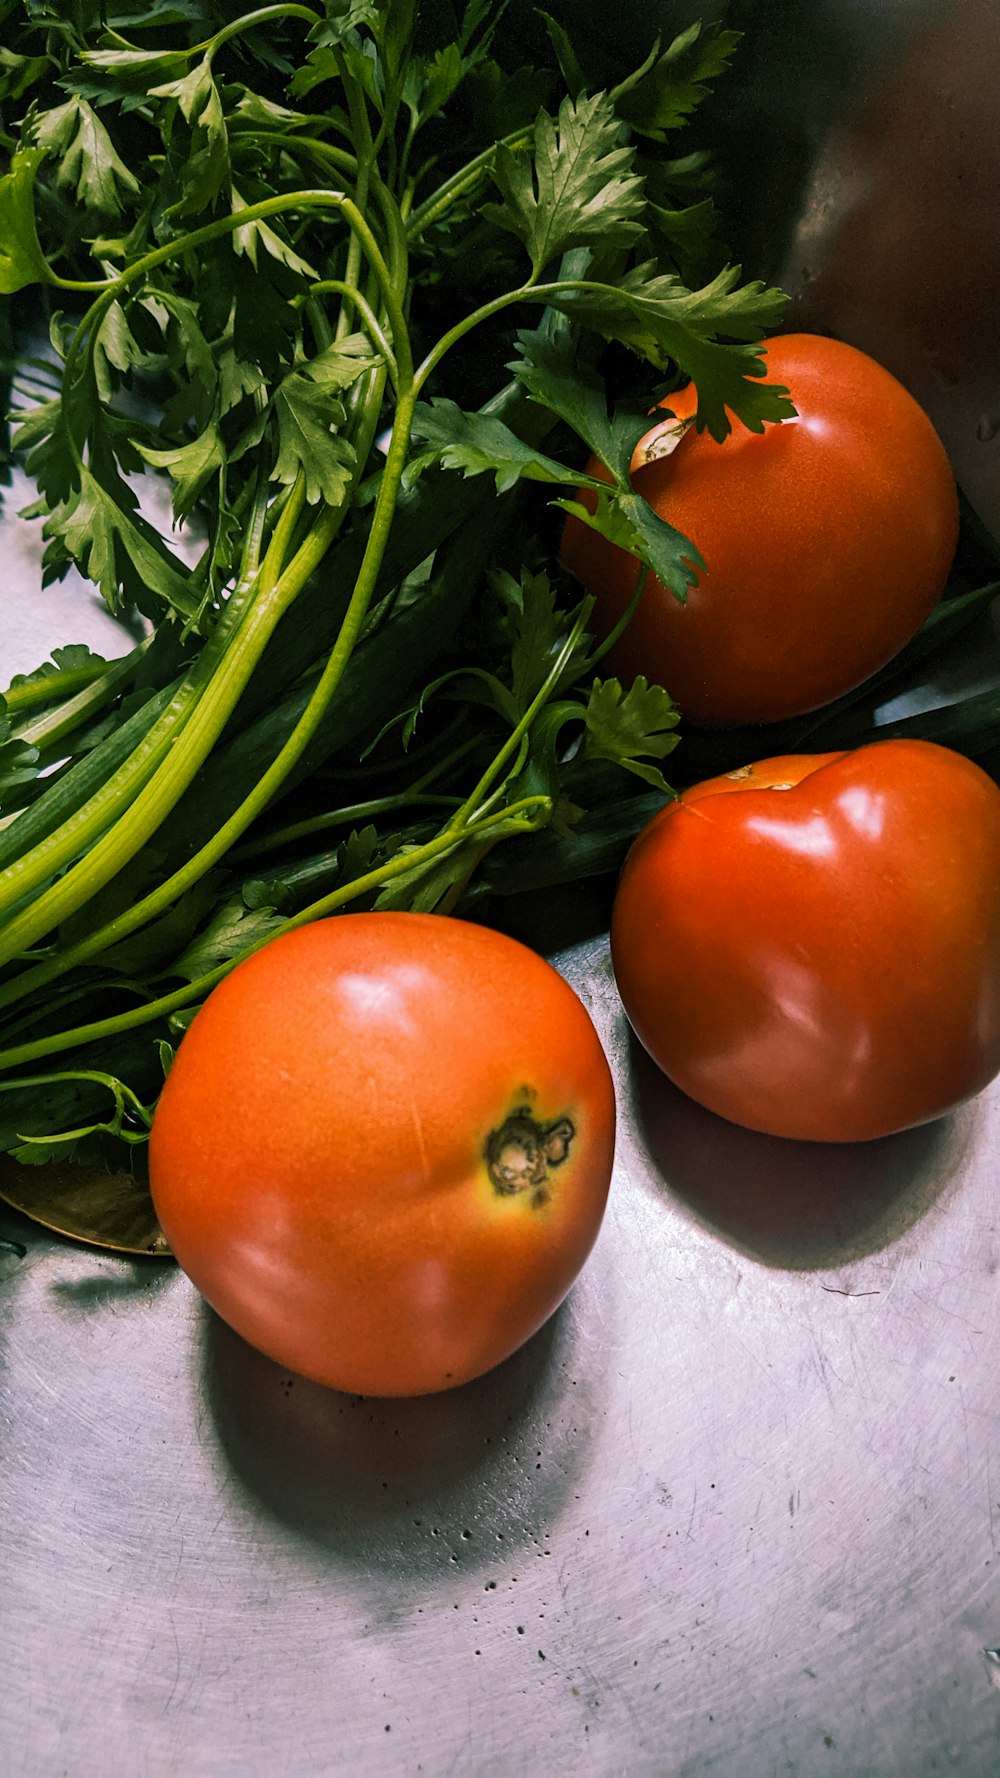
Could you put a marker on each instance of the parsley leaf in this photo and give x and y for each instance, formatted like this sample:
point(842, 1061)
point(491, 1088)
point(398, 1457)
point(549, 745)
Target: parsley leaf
point(89, 165)
point(580, 186)
point(537, 628)
point(548, 367)
point(188, 466)
point(476, 442)
point(119, 551)
point(232, 929)
point(257, 233)
point(21, 258)
point(626, 519)
point(429, 84)
point(659, 318)
point(675, 80)
point(308, 415)
point(625, 726)
point(206, 166)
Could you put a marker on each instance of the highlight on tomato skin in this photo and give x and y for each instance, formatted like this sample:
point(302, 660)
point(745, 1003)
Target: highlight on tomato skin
point(384, 1148)
point(810, 946)
point(827, 540)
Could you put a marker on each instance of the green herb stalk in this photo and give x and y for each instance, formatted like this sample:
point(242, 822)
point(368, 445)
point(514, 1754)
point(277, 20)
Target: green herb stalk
point(362, 341)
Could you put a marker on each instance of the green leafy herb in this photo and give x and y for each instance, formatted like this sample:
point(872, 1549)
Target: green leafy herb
point(21, 258)
point(631, 728)
point(88, 164)
point(292, 251)
point(665, 92)
point(578, 186)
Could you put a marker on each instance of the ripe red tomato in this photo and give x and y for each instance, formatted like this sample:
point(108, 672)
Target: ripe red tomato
point(383, 1150)
point(810, 946)
point(827, 539)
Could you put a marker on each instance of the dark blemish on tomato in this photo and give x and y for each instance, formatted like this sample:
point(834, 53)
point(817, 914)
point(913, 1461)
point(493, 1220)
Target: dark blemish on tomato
point(520, 1154)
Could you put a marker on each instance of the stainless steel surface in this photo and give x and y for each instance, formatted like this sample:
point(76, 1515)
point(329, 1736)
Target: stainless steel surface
point(735, 1513)
point(33, 618)
point(866, 155)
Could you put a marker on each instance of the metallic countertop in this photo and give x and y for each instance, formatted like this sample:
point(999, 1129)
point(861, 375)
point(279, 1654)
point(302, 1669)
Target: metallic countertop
point(736, 1512)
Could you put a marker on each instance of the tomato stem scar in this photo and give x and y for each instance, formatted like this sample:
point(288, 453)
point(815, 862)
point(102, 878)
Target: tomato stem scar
point(520, 1153)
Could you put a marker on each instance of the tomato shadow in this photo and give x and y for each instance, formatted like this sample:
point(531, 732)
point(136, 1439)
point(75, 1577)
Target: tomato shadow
point(440, 1484)
point(797, 1206)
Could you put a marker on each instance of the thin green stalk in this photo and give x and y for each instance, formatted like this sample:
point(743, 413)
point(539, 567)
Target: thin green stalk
point(182, 999)
point(80, 829)
point(164, 790)
point(126, 1102)
point(417, 795)
point(466, 179)
point(261, 17)
point(486, 312)
point(363, 143)
point(169, 761)
point(476, 799)
point(342, 287)
point(344, 817)
point(341, 159)
point(253, 541)
point(209, 45)
point(56, 687)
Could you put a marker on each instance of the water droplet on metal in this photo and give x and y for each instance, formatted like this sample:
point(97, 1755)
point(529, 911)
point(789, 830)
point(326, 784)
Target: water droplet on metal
point(988, 428)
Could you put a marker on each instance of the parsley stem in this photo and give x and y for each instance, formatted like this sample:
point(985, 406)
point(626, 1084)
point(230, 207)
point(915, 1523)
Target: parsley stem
point(466, 179)
point(416, 793)
point(346, 816)
point(273, 595)
point(261, 17)
point(432, 359)
point(61, 687)
point(97, 686)
point(518, 817)
point(342, 287)
point(93, 818)
point(517, 734)
point(363, 141)
point(166, 759)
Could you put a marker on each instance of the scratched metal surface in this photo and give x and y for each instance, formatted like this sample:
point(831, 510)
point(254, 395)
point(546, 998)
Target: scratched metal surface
point(735, 1513)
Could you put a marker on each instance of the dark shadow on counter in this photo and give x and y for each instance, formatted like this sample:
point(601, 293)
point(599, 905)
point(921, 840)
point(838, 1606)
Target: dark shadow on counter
point(453, 1482)
point(800, 1206)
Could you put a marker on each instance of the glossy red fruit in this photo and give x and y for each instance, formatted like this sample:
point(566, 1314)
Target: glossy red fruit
point(828, 540)
point(810, 946)
point(384, 1147)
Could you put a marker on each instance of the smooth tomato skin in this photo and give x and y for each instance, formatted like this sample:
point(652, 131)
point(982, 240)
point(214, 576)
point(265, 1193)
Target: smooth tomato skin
point(320, 1156)
point(811, 946)
point(827, 541)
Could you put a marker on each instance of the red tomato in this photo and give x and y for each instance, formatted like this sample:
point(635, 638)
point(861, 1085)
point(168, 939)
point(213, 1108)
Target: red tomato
point(827, 539)
point(384, 1147)
point(811, 946)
